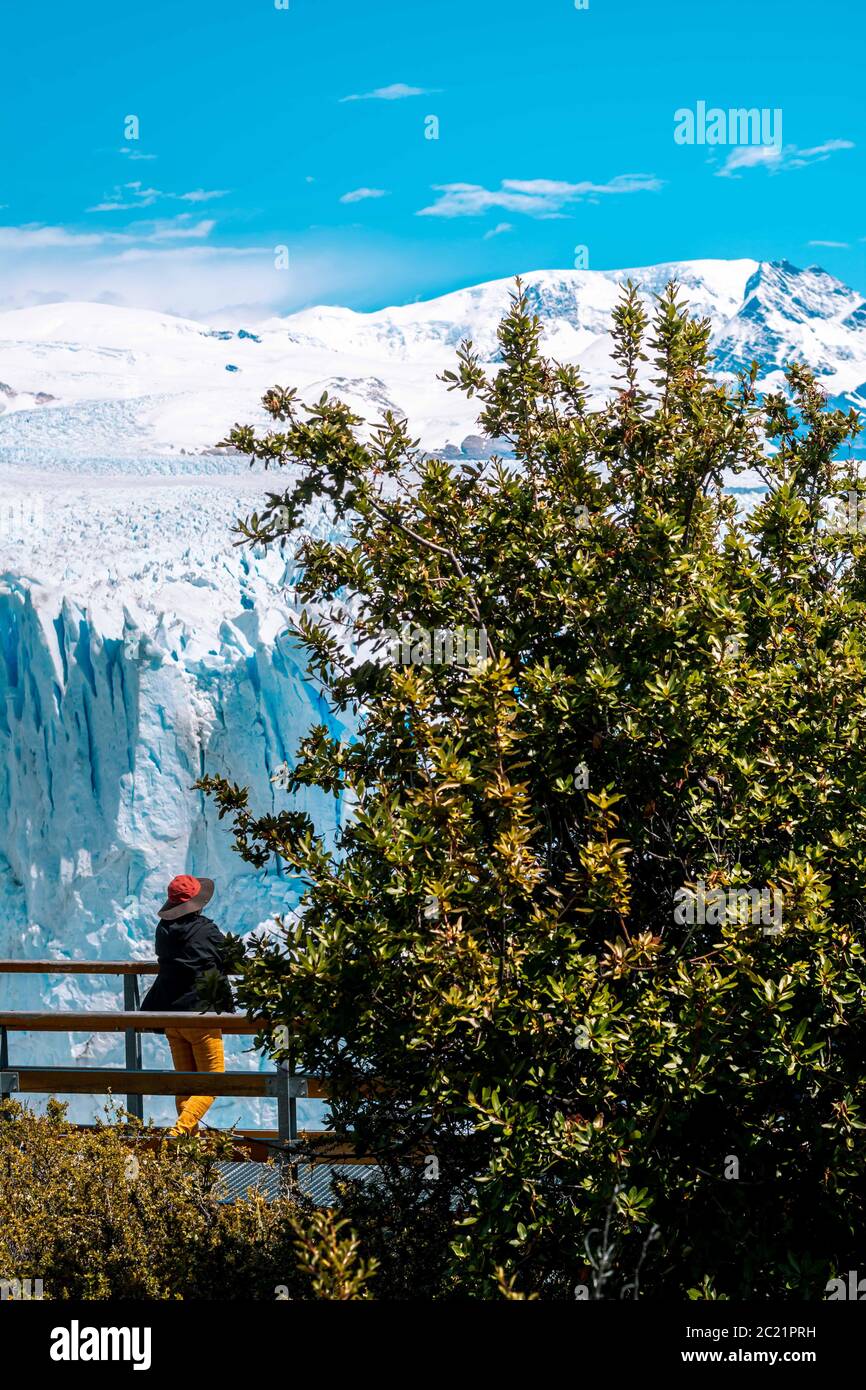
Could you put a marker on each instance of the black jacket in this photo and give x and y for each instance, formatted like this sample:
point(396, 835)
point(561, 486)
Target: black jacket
point(186, 948)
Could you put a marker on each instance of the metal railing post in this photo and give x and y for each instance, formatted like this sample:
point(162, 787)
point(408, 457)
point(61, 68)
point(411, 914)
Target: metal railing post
point(287, 1116)
point(287, 1105)
point(131, 1002)
point(4, 1058)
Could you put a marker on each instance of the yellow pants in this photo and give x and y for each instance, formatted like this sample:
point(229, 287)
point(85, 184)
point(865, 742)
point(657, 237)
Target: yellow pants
point(194, 1050)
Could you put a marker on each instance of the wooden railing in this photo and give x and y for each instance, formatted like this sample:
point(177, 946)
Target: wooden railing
point(137, 1083)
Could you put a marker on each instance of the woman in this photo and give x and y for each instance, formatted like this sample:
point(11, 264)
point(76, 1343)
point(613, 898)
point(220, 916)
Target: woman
point(188, 945)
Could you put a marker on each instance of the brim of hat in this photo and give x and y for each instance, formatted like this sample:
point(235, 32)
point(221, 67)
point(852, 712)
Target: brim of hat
point(170, 911)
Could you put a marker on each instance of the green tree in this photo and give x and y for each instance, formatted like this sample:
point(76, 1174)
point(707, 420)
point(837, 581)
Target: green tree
point(531, 966)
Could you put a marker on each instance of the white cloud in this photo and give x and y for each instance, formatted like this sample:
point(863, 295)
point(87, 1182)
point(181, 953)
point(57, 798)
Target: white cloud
point(396, 92)
point(133, 195)
point(534, 197)
point(497, 230)
point(33, 236)
point(194, 278)
point(836, 245)
point(179, 229)
point(799, 158)
point(777, 160)
point(134, 154)
point(358, 195)
point(201, 195)
point(167, 254)
point(749, 157)
point(126, 196)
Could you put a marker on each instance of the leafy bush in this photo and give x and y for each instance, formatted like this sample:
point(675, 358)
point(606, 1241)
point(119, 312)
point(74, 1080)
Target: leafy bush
point(94, 1215)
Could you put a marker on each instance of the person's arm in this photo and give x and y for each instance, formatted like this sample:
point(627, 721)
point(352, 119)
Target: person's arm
point(217, 944)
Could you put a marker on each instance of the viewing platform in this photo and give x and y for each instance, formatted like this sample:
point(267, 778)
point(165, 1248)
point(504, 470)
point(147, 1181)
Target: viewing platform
point(303, 1157)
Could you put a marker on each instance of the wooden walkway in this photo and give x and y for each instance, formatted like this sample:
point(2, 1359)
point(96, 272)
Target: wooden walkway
point(281, 1082)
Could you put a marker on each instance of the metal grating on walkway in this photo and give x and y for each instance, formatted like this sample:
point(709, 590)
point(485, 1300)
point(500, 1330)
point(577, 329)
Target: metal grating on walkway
point(315, 1179)
point(270, 1179)
point(237, 1179)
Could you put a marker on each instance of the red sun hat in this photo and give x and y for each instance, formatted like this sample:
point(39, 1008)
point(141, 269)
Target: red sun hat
point(186, 894)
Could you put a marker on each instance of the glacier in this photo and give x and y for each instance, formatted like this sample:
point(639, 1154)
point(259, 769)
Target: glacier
point(141, 647)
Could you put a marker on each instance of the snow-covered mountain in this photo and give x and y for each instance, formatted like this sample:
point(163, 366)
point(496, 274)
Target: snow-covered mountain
point(140, 647)
point(133, 383)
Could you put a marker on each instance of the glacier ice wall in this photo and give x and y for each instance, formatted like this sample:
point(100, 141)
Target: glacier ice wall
point(101, 740)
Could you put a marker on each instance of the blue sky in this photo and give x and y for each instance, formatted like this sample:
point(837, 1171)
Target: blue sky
point(555, 131)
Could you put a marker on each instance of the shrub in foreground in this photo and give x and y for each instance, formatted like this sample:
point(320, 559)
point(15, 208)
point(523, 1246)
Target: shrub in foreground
point(94, 1215)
